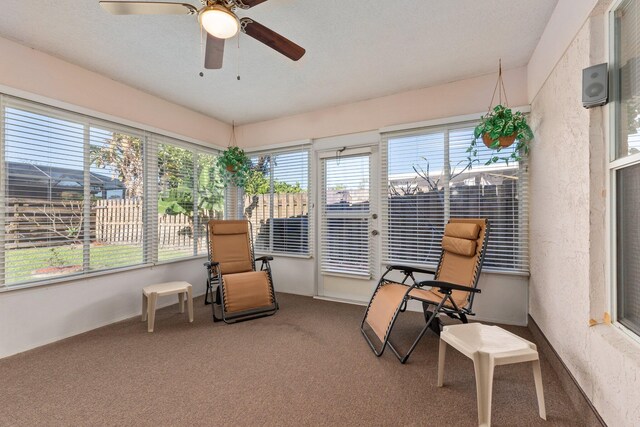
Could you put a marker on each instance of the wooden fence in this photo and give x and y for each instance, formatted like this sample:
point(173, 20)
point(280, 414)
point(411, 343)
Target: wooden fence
point(285, 205)
point(41, 223)
point(121, 222)
point(38, 222)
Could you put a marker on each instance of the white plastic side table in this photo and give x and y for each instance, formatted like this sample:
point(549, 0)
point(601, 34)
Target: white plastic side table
point(488, 347)
point(151, 293)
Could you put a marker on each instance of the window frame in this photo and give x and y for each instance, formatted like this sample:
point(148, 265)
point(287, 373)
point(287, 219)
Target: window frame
point(614, 165)
point(275, 150)
point(446, 126)
point(90, 118)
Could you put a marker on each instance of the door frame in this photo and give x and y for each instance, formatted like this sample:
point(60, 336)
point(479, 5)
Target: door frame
point(353, 144)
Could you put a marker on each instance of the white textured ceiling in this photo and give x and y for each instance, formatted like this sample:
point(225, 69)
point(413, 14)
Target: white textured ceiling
point(356, 49)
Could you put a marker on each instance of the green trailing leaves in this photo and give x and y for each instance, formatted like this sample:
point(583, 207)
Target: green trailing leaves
point(234, 166)
point(502, 122)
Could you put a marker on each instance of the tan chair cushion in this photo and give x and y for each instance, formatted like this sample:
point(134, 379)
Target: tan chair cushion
point(459, 246)
point(246, 291)
point(460, 230)
point(218, 227)
point(230, 245)
point(383, 307)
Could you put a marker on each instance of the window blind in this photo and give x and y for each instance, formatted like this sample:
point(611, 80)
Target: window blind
point(625, 171)
point(345, 212)
point(190, 192)
point(427, 179)
point(276, 201)
point(627, 78)
point(79, 194)
point(116, 160)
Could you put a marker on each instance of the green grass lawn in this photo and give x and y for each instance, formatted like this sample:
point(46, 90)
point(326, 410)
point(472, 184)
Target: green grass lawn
point(22, 264)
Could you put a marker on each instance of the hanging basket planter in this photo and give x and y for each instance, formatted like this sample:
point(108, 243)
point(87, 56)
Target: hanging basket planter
point(500, 128)
point(504, 141)
point(233, 163)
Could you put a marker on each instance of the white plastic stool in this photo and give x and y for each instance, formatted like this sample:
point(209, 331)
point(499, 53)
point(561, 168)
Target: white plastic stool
point(489, 346)
point(151, 293)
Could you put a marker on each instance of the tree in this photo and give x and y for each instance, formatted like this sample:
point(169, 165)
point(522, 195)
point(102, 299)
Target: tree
point(123, 155)
point(257, 184)
point(178, 180)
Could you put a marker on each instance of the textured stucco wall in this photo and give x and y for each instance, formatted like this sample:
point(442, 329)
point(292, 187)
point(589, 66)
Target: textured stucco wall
point(567, 232)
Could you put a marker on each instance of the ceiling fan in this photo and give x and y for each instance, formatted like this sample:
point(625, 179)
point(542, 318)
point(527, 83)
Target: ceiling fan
point(219, 20)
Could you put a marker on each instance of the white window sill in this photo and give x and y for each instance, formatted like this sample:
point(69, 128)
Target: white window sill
point(281, 255)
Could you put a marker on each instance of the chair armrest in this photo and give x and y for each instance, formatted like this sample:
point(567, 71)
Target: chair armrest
point(448, 286)
point(265, 258)
point(210, 264)
point(410, 269)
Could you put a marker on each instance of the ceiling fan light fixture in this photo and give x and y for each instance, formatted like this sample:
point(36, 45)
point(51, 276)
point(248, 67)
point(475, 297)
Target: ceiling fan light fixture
point(219, 22)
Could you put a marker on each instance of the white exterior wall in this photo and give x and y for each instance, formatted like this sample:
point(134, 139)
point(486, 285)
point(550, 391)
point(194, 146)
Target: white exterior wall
point(568, 285)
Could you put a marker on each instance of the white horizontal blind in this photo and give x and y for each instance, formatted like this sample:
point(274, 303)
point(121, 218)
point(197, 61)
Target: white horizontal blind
point(627, 78)
point(345, 211)
point(61, 174)
point(427, 180)
point(625, 171)
point(498, 192)
point(413, 198)
point(210, 195)
point(116, 158)
point(74, 193)
point(276, 201)
point(190, 192)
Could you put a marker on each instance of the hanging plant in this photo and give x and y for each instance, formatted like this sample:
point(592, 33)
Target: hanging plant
point(500, 128)
point(234, 166)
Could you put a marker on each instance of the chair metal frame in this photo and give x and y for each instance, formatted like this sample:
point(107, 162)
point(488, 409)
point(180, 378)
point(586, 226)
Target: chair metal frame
point(431, 319)
point(214, 280)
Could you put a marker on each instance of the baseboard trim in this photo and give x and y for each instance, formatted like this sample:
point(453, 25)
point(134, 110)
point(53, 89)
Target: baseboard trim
point(577, 396)
point(340, 300)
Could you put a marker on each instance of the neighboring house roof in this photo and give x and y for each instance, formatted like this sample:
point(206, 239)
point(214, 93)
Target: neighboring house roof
point(59, 177)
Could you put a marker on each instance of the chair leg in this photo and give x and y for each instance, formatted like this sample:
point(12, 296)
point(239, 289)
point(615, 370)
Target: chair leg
point(190, 303)
point(153, 297)
point(432, 317)
point(435, 323)
point(483, 366)
point(442, 352)
point(537, 376)
point(181, 301)
point(215, 302)
point(208, 292)
point(144, 307)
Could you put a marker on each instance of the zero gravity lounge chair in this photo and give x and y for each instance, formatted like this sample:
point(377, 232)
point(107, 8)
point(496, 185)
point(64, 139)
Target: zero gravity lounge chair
point(450, 292)
point(241, 292)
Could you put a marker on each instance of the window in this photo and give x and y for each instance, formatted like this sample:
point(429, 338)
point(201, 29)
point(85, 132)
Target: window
point(75, 195)
point(190, 193)
point(276, 201)
point(427, 179)
point(625, 163)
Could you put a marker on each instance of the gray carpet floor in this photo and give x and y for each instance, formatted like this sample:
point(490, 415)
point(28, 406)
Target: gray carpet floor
point(306, 365)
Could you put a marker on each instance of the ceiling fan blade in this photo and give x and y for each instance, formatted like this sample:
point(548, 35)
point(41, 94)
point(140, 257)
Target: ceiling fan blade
point(272, 39)
point(147, 8)
point(214, 53)
point(246, 4)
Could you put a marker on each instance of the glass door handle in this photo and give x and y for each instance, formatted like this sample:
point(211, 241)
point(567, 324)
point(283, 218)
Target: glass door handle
point(375, 232)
